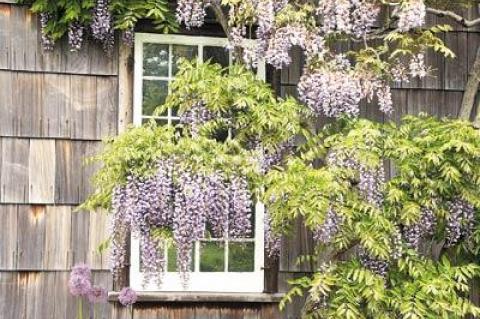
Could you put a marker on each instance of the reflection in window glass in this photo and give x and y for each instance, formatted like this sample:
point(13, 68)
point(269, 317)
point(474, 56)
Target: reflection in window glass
point(212, 256)
point(241, 257)
point(218, 55)
point(155, 59)
point(154, 94)
point(172, 259)
point(182, 51)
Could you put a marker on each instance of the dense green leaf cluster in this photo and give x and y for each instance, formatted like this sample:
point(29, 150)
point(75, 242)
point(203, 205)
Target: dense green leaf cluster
point(246, 111)
point(242, 103)
point(432, 162)
point(126, 13)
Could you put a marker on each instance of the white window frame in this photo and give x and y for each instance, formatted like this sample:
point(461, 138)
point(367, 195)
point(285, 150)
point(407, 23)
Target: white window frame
point(242, 282)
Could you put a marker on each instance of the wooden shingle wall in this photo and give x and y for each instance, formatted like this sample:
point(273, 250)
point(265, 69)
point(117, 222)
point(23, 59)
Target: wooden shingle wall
point(55, 108)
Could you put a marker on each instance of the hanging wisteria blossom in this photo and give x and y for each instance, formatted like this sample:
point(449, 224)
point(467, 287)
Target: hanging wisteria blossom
point(176, 198)
point(47, 42)
point(411, 14)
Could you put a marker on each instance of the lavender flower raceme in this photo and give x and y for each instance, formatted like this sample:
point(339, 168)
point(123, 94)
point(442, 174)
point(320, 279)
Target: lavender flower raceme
point(195, 117)
point(127, 296)
point(191, 12)
point(281, 43)
point(97, 294)
point(75, 35)
point(375, 265)
point(411, 15)
point(181, 200)
point(385, 101)
point(272, 240)
point(47, 41)
point(329, 229)
point(417, 66)
point(102, 20)
point(332, 93)
point(240, 207)
point(217, 201)
point(413, 234)
point(460, 221)
point(347, 16)
point(128, 37)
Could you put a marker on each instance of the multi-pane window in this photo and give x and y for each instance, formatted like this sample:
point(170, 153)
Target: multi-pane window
point(218, 264)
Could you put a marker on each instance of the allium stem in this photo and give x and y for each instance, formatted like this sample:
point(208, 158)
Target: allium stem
point(80, 309)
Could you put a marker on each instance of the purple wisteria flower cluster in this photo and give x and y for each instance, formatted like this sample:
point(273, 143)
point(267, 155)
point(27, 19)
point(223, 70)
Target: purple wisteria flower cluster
point(375, 265)
point(272, 240)
point(47, 42)
point(195, 117)
point(75, 35)
point(325, 89)
point(355, 17)
point(413, 234)
point(460, 221)
point(337, 89)
point(329, 229)
point(411, 14)
point(187, 203)
point(102, 25)
point(101, 28)
point(191, 12)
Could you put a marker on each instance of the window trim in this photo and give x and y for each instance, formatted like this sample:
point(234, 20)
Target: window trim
point(235, 282)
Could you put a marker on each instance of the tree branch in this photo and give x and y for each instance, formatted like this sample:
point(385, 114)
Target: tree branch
point(471, 89)
point(454, 16)
point(221, 17)
point(476, 121)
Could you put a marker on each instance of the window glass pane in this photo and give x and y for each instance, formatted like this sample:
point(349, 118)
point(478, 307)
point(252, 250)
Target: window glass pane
point(182, 51)
point(217, 55)
point(154, 94)
point(159, 121)
point(172, 259)
point(155, 59)
point(212, 256)
point(241, 257)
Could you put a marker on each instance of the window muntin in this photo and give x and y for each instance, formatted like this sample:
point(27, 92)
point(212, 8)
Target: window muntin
point(219, 264)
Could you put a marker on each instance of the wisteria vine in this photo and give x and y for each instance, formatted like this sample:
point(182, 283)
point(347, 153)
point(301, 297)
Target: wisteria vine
point(185, 202)
point(327, 87)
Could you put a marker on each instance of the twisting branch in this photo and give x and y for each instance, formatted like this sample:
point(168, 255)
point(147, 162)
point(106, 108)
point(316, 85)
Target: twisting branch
point(454, 16)
point(471, 89)
point(221, 17)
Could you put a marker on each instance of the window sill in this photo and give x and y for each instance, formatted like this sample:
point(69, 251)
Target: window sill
point(208, 297)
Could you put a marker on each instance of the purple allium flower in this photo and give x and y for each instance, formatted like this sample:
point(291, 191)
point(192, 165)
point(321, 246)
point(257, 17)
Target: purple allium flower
point(79, 285)
point(82, 270)
point(97, 294)
point(80, 280)
point(127, 296)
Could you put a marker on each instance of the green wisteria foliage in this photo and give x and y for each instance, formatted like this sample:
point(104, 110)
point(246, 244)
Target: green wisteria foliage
point(243, 113)
point(395, 248)
point(97, 19)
